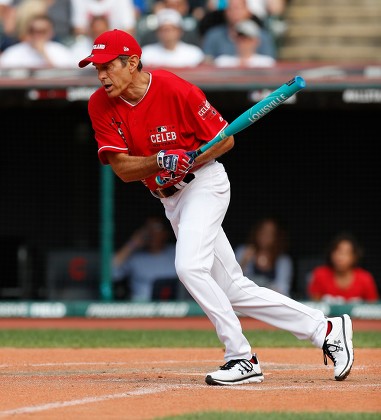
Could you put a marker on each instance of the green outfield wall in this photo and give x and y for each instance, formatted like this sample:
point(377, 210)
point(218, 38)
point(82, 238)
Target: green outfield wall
point(91, 309)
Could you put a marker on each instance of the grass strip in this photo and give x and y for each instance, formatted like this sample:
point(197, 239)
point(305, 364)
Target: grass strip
point(274, 416)
point(49, 338)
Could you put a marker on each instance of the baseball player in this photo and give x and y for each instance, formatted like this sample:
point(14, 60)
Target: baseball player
point(146, 123)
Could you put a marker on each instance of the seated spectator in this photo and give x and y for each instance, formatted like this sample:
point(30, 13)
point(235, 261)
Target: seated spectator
point(120, 14)
point(246, 37)
point(36, 49)
point(84, 43)
point(146, 257)
point(7, 27)
point(59, 11)
point(147, 26)
point(194, 8)
point(266, 13)
point(214, 15)
point(142, 7)
point(271, 14)
point(264, 258)
point(171, 51)
point(341, 279)
point(218, 39)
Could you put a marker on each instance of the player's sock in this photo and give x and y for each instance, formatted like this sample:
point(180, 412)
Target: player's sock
point(329, 327)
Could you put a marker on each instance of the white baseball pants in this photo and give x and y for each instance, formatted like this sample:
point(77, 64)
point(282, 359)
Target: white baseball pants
point(206, 265)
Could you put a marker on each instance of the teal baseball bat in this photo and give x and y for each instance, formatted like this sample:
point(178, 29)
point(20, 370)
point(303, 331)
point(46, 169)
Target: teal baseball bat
point(252, 115)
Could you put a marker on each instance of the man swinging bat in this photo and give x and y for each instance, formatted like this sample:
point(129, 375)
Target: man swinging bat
point(128, 112)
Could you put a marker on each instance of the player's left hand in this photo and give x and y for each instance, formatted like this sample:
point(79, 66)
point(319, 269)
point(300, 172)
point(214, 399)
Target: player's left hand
point(178, 161)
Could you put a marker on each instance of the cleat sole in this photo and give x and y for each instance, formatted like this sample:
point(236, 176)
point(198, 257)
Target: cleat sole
point(257, 378)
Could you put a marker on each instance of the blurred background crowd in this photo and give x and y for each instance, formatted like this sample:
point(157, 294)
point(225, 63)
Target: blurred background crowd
point(174, 33)
point(187, 33)
point(144, 269)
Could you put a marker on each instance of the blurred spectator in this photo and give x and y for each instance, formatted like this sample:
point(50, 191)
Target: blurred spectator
point(342, 279)
point(146, 257)
point(121, 14)
point(84, 43)
point(142, 7)
point(264, 12)
point(36, 49)
point(194, 8)
point(171, 51)
point(264, 258)
point(147, 26)
point(214, 15)
point(246, 37)
point(218, 39)
point(271, 14)
point(59, 11)
point(7, 36)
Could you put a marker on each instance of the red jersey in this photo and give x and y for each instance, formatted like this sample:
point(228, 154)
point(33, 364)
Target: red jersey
point(173, 114)
point(323, 284)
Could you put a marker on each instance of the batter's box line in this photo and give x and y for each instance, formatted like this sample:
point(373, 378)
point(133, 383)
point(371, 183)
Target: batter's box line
point(164, 388)
point(85, 400)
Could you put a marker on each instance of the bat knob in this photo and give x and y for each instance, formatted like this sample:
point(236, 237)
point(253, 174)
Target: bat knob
point(300, 82)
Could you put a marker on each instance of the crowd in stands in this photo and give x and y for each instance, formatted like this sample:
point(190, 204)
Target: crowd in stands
point(173, 33)
point(144, 266)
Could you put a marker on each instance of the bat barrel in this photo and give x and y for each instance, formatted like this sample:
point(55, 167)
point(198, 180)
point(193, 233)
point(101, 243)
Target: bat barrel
point(263, 107)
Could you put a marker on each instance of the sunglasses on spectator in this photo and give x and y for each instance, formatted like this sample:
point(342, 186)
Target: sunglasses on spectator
point(36, 30)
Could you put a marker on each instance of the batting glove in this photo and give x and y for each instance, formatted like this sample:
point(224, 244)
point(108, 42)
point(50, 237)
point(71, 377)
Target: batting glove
point(168, 178)
point(177, 161)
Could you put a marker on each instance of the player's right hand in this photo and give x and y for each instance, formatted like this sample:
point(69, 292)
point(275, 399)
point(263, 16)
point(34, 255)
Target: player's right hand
point(178, 161)
point(168, 178)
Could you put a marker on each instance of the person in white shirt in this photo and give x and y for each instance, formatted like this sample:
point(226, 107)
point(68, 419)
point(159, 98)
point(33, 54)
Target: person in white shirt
point(84, 43)
point(171, 51)
point(36, 49)
point(121, 14)
point(246, 36)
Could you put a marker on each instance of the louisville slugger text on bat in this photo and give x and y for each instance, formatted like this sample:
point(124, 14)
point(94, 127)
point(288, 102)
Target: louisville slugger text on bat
point(253, 114)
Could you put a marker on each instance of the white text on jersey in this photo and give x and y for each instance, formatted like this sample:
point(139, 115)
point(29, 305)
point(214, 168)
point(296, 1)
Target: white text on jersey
point(163, 137)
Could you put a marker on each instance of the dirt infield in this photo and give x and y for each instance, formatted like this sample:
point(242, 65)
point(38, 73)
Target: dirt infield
point(150, 383)
point(144, 384)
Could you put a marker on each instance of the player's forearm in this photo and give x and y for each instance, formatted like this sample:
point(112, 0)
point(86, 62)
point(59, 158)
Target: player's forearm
point(133, 168)
point(217, 150)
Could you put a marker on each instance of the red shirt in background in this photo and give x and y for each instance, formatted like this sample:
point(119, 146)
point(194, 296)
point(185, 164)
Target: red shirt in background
point(323, 286)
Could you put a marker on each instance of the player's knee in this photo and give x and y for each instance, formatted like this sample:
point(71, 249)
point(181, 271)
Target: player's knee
point(181, 268)
point(188, 269)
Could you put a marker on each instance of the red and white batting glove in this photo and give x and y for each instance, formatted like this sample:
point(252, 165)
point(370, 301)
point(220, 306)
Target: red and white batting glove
point(178, 161)
point(169, 178)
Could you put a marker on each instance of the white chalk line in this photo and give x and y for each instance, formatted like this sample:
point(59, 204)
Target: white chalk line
point(168, 387)
point(129, 363)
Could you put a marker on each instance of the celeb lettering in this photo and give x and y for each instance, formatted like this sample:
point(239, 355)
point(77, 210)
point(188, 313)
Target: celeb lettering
point(163, 137)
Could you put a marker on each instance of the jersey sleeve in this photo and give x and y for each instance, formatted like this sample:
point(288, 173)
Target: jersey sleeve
point(203, 119)
point(108, 130)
